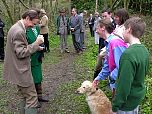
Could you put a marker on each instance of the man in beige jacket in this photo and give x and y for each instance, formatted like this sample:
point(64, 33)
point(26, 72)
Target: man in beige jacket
point(17, 67)
point(44, 29)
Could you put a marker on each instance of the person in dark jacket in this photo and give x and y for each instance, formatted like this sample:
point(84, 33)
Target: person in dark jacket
point(91, 24)
point(1, 40)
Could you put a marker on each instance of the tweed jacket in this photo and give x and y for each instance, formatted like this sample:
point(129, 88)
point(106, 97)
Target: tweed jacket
point(44, 25)
point(62, 27)
point(17, 67)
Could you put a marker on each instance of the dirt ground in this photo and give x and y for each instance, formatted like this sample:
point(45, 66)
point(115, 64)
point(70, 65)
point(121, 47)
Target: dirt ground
point(55, 75)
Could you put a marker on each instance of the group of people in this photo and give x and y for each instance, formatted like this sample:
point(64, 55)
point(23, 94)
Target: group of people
point(75, 26)
point(125, 59)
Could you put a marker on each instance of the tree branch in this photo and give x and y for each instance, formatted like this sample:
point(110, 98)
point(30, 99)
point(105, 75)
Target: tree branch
point(24, 4)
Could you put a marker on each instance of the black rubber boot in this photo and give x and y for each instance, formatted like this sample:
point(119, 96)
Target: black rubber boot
point(39, 93)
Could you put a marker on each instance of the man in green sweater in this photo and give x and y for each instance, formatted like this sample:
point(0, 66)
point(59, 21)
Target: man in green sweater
point(134, 62)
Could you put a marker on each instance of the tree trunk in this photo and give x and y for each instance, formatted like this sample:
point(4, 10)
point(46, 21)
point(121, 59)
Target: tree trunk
point(105, 6)
point(111, 4)
point(42, 5)
point(96, 8)
point(126, 4)
point(16, 10)
point(23, 4)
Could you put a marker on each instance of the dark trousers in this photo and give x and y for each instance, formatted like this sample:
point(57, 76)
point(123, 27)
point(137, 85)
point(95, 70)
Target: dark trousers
point(76, 42)
point(46, 42)
point(2, 48)
point(101, 44)
point(91, 30)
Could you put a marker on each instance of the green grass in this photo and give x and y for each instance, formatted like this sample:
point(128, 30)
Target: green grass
point(5, 93)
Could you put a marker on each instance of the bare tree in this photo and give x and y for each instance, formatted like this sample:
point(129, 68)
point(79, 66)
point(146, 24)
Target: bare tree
point(23, 4)
point(126, 4)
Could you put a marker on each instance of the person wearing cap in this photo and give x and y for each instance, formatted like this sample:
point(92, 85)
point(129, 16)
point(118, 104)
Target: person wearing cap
point(18, 53)
point(63, 30)
point(44, 30)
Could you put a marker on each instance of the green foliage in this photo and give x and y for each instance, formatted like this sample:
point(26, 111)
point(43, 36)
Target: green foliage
point(88, 5)
point(146, 106)
point(140, 6)
point(146, 39)
point(54, 41)
point(147, 102)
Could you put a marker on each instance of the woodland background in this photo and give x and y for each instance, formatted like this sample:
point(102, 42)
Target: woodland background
point(10, 12)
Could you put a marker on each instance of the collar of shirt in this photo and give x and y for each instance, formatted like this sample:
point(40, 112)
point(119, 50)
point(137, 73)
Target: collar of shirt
point(111, 19)
point(108, 39)
point(23, 25)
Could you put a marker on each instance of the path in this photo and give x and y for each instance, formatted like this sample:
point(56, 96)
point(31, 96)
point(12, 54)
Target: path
point(54, 76)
